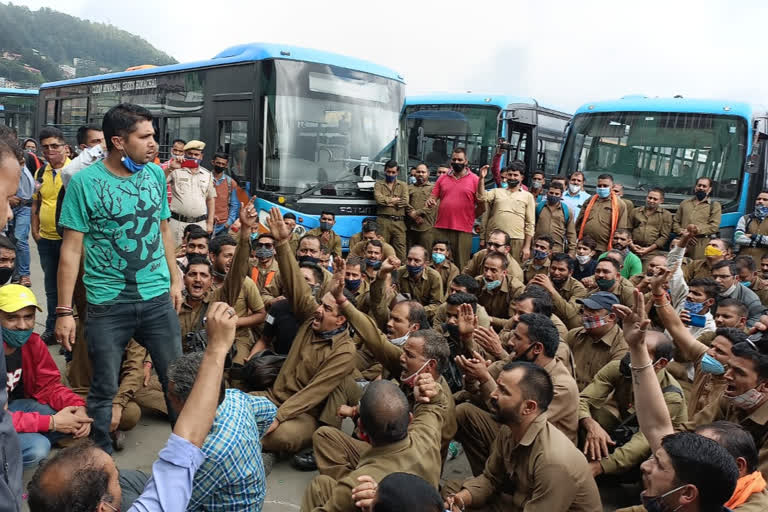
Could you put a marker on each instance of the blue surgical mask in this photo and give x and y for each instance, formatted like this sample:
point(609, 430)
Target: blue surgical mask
point(504, 184)
point(761, 211)
point(414, 269)
point(132, 166)
point(539, 255)
point(389, 178)
point(553, 200)
point(326, 226)
point(438, 257)
point(374, 264)
point(711, 365)
point(746, 283)
point(693, 307)
point(16, 339)
point(412, 180)
point(352, 284)
point(492, 285)
point(603, 192)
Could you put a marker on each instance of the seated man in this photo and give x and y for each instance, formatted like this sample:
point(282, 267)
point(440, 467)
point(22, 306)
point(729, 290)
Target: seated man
point(563, 288)
point(419, 281)
point(498, 289)
point(726, 274)
point(400, 440)
point(326, 234)
point(264, 269)
point(535, 341)
point(539, 262)
point(622, 242)
point(320, 356)
point(531, 461)
point(195, 241)
point(233, 475)
point(441, 262)
point(608, 279)
point(748, 277)
point(400, 491)
point(600, 424)
point(43, 410)
point(84, 477)
point(354, 270)
point(498, 241)
point(599, 340)
point(462, 283)
point(370, 232)
point(309, 251)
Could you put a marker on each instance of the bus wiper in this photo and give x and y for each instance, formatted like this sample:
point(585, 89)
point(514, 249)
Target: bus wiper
point(329, 183)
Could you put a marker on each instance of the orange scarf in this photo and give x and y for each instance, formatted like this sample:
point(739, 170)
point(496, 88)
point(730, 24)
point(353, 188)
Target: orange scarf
point(614, 217)
point(745, 488)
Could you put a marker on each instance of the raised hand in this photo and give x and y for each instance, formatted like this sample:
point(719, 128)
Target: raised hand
point(425, 388)
point(636, 321)
point(277, 225)
point(484, 171)
point(467, 320)
point(337, 289)
point(474, 367)
point(489, 340)
point(388, 265)
point(221, 322)
point(249, 217)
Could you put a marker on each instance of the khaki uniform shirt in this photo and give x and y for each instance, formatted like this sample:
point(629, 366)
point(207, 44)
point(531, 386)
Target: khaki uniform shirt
point(697, 269)
point(475, 266)
point(426, 288)
point(418, 454)
point(610, 382)
point(598, 225)
point(543, 471)
point(229, 292)
point(498, 303)
point(563, 410)
point(277, 287)
point(387, 251)
point(760, 287)
point(590, 355)
point(355, 239)
point(551, 222)
point(650, 228)
point(314, 366)
point(418, 195)
point(530, 270)
point(705, 214)
point(447, 271)
point(261, 275)
point(755, 227)
point(564, 302)
point(623, 289)
point(512, 212)
point(755, 423)
point(190, 191)
point(388, 355)
point(294, 242)
point(381, 193)
point(334, 240)
point(706, 388)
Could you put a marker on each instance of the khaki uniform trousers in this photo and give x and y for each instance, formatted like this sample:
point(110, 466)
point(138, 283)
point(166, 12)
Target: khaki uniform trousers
point(393, 232)
point(318, 493)
point(477, 430)
point(337, 454)
point(422, 238)
point(150, 398)
point(461, 244)
point(177, 229)
point(515, 247)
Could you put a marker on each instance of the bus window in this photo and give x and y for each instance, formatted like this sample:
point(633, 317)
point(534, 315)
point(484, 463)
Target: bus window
point(186, 128)
point(73, 116)
point(233, 140)
point(50, 112)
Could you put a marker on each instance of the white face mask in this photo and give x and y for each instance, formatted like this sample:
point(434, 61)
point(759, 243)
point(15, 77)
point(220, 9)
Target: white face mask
point(583, 258)
point(574, 189)
point(411, 379)
point(401, 340)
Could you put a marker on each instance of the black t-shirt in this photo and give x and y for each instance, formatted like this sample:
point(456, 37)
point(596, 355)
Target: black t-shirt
point(15, 384)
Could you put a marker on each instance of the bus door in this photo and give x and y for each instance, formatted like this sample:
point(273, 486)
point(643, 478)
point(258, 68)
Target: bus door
point(231, 118)
point(518, 133)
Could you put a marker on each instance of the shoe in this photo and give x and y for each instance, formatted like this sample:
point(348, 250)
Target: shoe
point(25, 281)
point(118, 440)
point(454, 450)
point(304, 460)
point(268, 459)
point(49, 337)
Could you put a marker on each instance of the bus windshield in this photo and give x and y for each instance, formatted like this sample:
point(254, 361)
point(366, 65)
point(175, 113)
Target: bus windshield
point(432, 131)
point(670, 150)
point(328, 133)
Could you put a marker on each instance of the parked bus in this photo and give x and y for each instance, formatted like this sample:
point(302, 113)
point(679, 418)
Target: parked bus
point(433, 125)
point(670, 143)
point(18, 110)
point(306, 130)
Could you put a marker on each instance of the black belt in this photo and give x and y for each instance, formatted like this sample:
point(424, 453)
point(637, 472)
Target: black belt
point(24, 202)
point(395, 218)
point(182, 218)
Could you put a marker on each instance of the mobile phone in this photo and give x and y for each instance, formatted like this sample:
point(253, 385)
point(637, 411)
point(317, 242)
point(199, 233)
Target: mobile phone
point(189, 164)
point(697, 320)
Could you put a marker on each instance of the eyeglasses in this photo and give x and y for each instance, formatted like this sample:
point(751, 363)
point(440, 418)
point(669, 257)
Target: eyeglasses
point(51, 147)
point(493, 245)
point(266, 246)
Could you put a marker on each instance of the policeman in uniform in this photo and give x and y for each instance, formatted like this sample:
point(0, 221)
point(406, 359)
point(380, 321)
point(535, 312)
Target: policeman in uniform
point(420, 220)
point(650, 225)
point(701, 211)
point(392, 199)
point(194, 194)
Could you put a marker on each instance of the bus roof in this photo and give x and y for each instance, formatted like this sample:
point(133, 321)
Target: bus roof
point(20, 92)
point(250, 52)
point(689, 105)
point(467, 98)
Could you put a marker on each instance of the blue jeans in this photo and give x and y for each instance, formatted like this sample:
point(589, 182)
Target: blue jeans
point(21, 221)
point(154, 324)
point(49, 259)
point(34, 446)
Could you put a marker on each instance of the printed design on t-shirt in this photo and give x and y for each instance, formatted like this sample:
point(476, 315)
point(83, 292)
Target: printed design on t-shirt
point(14, 378)
point(127, 217)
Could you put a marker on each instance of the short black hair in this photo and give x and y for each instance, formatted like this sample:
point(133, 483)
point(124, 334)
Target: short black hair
point(745, 260)
point(564, 257)
point(326, 212)
point(493, 255)
point(9, 147)
point(390, 164)
point(198, 259)
point(192, 227)
point(734, 303)
point(517, 165)
point(665, 349)
point(444, 242)
point(732, 334)
point(702, 462)
point(758, 357)
point(605, 176)
point(707, 285)
point(82, 132)
point(398, 492)
point(51, 132)
point(507, 238)
point(735, 439)
point(468, 282)
point(195, 234)
point(289, 215)
point(384, 412)
point(546, 238)
point(369, 226)
point(315, 268)
point(612, 262)
point(658, 190)
point(121, 121)
point(457, 299)
point(375, 243)
point(542, 300)
point(181, 141)
point(417, 314)
point(536, 383)
point(216, 244)
point(556, 185)
point(221, 154)
point(588, 241)
point(5, 243)
point(729, 264)
point(542, 330)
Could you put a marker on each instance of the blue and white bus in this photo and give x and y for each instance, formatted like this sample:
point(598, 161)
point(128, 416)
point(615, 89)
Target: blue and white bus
point(432, 125)
point(18, 110)
point(670, 143)
point(306, 130)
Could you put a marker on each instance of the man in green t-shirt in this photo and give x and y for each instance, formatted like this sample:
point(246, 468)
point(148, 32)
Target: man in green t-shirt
point(118, 210)
point(622, 241)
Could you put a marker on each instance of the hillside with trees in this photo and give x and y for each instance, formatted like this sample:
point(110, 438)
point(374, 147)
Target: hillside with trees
point(47, 45)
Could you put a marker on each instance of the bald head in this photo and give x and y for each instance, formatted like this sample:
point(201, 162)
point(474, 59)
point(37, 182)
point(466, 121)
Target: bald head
point(384, 413)
point(659, 345)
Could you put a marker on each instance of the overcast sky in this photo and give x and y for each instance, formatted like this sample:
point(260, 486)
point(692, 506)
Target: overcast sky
point(563, 53)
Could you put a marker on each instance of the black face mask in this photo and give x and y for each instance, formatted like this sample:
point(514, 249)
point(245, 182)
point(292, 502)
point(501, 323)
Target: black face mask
point(308, 259)
point(452, 330)
point(5, 274)
point(701, 195)
point(219, 169)
point(457, 167)
point(513, 183)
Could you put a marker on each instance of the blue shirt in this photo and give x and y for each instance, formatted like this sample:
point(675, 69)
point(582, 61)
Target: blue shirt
point(169, 488)
point(26, 184)
point(575, 202)
point(232, 476)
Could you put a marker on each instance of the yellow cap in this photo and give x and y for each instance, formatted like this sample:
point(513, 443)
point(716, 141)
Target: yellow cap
point(194, 144)
point(14, 297)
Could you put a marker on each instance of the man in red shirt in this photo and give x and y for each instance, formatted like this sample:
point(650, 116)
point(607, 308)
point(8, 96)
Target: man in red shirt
point(457, 192)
